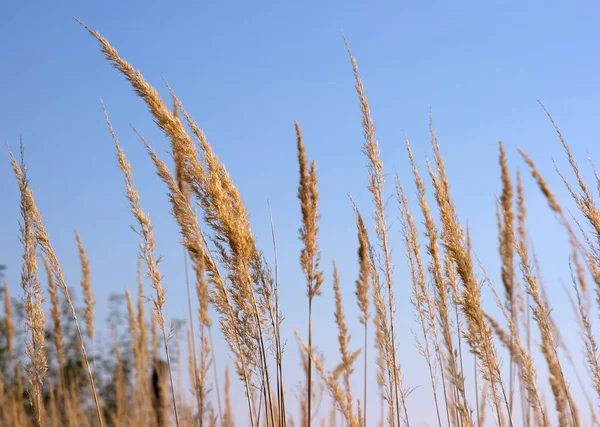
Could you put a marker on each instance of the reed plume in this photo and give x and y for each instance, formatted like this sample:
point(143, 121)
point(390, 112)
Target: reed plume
point(422, 301)
point(478, 335)
point(194, 243)
point(227, 216)
point(519, 354)
point(585, 202)
point(346, 365)
point(441, 293)
point(541, 311)
point(86, 285)
point(41, 236)
point(581, 308)
point(147, 248)
point(506, 236)
point(541, 315)
point(362, 295)
point(376, 188)
point(310, 255)
point(35, 322)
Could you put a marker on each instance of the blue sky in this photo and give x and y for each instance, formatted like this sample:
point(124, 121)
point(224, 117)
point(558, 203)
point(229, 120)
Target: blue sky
point(246, 70)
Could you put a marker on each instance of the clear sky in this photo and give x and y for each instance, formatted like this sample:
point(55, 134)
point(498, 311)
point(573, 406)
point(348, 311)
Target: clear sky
point(246, 70)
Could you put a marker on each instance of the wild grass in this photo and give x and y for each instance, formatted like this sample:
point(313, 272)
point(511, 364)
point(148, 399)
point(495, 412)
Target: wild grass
point(57, 380)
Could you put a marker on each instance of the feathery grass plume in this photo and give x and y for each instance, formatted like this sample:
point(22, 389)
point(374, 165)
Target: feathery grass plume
point(376, 187)
point(265, 283)
point(522, 239)
point(86, 286)
point(386, 369)
point(581, 309)
point(469, 301)
point(166, 119)
point(346, 364)
point(440, 296)
point(179, 161)
point(521, 235)
point(591, 253)
point(147, 253)
point(216, 191)
point(364, 273)
point(422, 300)
point(478, 335)
point(520, 355)
point(362, 294)
point(501, 333)
point(596, 174)
point(226, 214)
point(562, 346)
point(506, 232)
point(193, 240)
point(541, 314)
point(9, 326)
point(556, 207)
point(35, 319)
point(584, 199)
point(557, 379)
point(192, 243)
point(451, 280)
point(184, 150)
point(380, 322)
point(569, 356)
point(506, 237)
point(43, 241)
point(587, 206)
point(310, 255)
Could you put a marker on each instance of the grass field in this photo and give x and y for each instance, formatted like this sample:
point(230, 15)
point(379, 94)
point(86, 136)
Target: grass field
point(482, 354)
